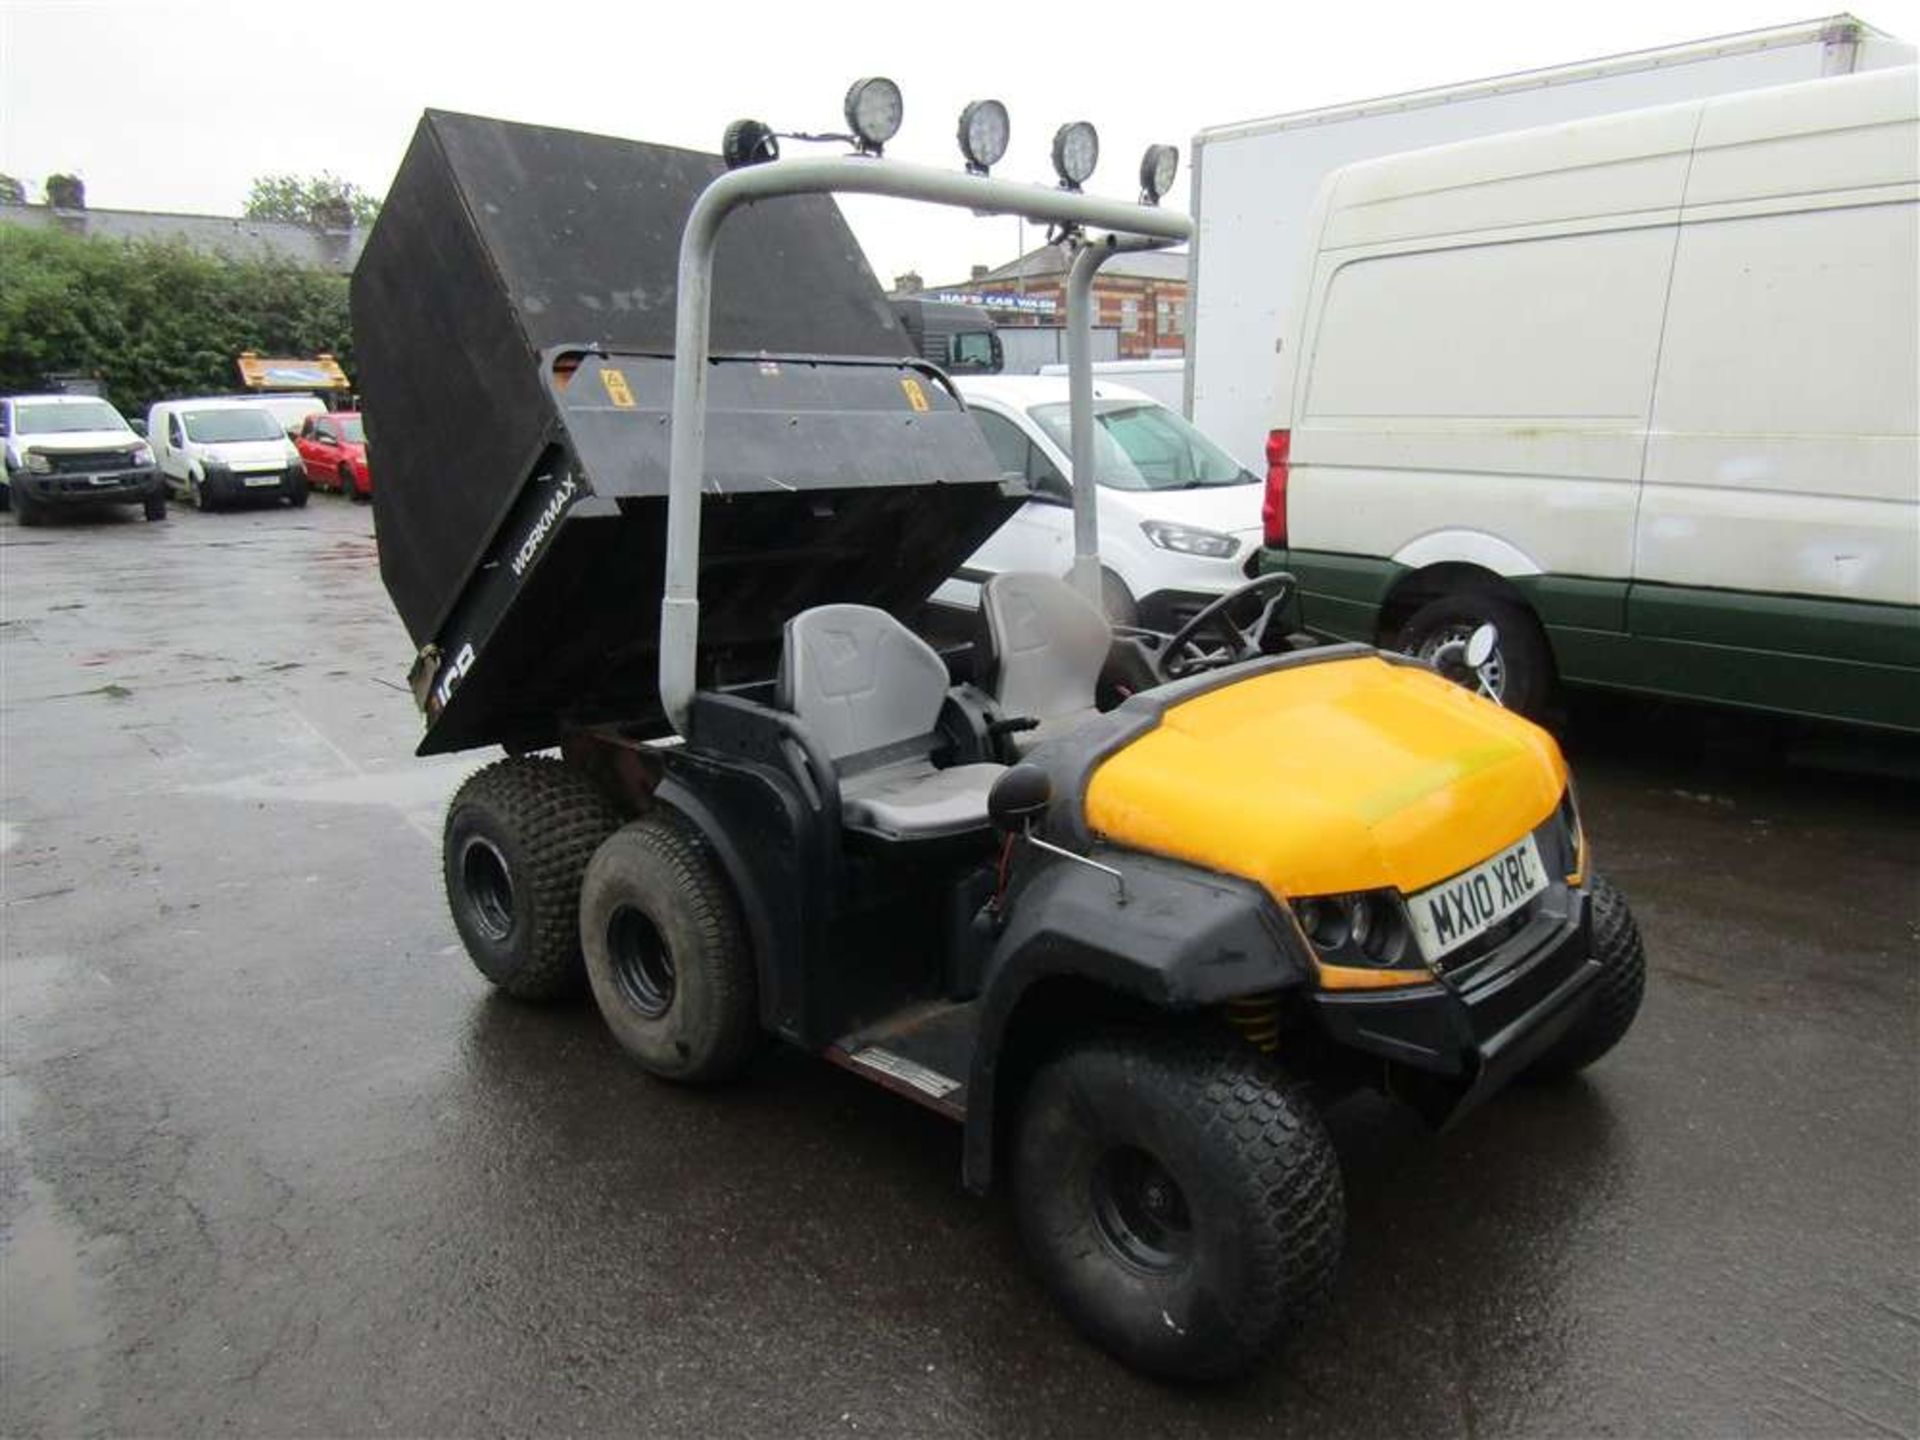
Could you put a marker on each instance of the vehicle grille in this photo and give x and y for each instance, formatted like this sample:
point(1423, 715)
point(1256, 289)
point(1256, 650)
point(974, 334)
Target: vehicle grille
point(87, 462)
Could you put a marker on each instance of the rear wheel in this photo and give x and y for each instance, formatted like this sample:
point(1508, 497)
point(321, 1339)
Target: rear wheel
point(1616, 1000)
point(1180, 1198)
point(518, 837)
point(667, 953)
point(1520, 669)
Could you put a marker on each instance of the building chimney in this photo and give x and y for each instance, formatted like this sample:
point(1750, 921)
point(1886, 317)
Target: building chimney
point(908, 284)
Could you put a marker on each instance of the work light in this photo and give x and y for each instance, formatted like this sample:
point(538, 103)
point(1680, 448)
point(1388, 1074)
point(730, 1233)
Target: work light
point(748, 142)
point(1076, 150)
point(1157, 169)
point(984, 128)
point(874, 109)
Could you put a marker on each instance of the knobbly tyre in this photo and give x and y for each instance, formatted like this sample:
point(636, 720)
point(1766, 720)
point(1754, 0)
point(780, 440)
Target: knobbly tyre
point(1128, 907)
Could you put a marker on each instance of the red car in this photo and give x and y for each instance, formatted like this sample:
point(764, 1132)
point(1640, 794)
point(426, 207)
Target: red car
point(334, 450)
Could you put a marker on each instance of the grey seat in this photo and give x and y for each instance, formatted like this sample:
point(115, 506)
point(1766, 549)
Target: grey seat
point(869, 691)
point(1046, 645)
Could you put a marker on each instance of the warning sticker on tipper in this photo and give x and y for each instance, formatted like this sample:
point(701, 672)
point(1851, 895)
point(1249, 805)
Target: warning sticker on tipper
point(916, 397)
point(617, 390)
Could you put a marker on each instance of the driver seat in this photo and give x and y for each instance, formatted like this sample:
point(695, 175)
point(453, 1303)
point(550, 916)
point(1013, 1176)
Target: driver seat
point(1041, 649)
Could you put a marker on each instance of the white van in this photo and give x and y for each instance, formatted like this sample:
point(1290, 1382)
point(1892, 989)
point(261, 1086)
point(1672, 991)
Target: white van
point(1643, 391)
point(1179, 518)
point(222, 452)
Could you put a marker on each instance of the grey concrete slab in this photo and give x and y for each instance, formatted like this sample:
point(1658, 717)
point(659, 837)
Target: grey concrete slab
point(274, 1161)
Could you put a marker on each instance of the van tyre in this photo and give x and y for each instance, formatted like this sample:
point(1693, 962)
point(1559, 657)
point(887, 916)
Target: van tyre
point(27, 510)
point(1181, 1200)
point(1525, 673)
point(1616, 1000)
point(667, 952)
point(297, 497)
point(155, 506)
point(518, 838)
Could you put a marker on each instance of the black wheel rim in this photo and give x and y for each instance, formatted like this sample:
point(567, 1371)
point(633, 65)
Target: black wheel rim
point(489, 887)
point(641, 963)
point(1140, 1211)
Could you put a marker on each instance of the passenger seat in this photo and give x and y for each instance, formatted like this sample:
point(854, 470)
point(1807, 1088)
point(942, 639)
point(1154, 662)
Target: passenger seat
point(869, 691)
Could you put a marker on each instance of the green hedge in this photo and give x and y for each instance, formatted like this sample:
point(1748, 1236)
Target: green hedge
point(154, 320)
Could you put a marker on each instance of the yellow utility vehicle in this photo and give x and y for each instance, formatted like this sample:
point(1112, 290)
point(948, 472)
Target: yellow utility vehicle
point(1128, 907)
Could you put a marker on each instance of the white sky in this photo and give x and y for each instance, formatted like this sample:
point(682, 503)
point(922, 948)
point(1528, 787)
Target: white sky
point(177, 104)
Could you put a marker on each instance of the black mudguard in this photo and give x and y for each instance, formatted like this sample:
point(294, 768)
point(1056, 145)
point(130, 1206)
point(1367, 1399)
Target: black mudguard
point(1181, 940)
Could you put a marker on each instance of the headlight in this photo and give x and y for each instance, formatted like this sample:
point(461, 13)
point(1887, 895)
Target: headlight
point(984, 129)
point(38, 464)
point(1076, 150)
point(874, 110)
point(140, 455)
point(1157, 169)
point(1364, 930)
point(1185, 540)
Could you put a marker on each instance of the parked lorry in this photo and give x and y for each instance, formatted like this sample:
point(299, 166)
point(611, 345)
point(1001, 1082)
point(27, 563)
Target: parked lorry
point(1127, 907)
point(1254, 183)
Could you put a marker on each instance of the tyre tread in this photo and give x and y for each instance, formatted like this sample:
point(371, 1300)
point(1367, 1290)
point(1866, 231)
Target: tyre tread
point(563, 818)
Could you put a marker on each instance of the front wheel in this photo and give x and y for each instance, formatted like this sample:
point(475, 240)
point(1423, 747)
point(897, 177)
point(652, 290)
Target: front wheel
point(155, 506)
point(1181, 1200)
point(667, 953)
point(1616, 1000)
point(297, 497)
point(27, 510)
point(1519, 671)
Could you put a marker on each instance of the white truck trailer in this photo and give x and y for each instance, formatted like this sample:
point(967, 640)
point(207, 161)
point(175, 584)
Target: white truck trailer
point(1254, 183)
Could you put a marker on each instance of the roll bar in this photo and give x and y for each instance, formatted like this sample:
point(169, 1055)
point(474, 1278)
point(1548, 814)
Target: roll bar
point(1136, 227)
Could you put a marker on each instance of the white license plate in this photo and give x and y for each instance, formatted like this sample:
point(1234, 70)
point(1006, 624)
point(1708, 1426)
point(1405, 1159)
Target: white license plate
point(1454, 911)
point(260, 480)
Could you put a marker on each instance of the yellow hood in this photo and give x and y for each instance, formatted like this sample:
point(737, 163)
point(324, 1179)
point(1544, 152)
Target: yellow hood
point(1346, 775)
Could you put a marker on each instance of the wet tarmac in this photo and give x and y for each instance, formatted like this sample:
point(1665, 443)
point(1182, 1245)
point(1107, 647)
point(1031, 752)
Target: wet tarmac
point(273, 1161)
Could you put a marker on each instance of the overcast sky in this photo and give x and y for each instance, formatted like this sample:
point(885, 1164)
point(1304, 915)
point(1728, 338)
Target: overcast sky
point(177, 104)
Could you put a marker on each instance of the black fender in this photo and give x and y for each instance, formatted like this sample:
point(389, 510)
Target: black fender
point(1074, 952)
point(760, 830)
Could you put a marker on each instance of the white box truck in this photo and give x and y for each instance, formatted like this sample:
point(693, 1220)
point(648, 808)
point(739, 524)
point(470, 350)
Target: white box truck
point(1254, 183)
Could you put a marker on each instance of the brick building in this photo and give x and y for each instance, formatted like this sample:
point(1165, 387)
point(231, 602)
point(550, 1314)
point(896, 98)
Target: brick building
point(1144, 296)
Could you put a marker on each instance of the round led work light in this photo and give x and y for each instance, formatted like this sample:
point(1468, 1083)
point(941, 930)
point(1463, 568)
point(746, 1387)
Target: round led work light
point(874, 109)
point(748, 142)
point(1157, 169)
point(1076, 150)
point(984, 129)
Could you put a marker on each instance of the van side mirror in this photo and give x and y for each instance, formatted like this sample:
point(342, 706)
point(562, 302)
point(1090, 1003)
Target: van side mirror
point(1019, 798)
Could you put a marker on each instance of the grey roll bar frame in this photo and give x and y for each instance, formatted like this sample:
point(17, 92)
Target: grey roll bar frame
point(1136, 226)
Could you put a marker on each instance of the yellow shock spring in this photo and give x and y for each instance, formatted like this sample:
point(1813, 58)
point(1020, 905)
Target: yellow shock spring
point(1257, 1018)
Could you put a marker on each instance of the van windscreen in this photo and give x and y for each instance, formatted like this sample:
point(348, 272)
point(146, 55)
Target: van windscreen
point(214, 427)
point(1145, 447)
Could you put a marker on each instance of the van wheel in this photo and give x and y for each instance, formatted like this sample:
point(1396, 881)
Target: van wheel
point(155, 506)
point(1181, 1200)
point(297, 497)
point(1616, 1001)
point(200, 496)
point(518, 837)
point(1520, 670)
point(667, 954)
point(27, 510)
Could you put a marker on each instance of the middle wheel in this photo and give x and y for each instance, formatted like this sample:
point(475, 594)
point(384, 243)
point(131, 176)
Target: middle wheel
point(667, 953)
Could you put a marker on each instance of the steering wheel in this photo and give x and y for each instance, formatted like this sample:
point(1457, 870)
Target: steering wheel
point(1183, 655)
